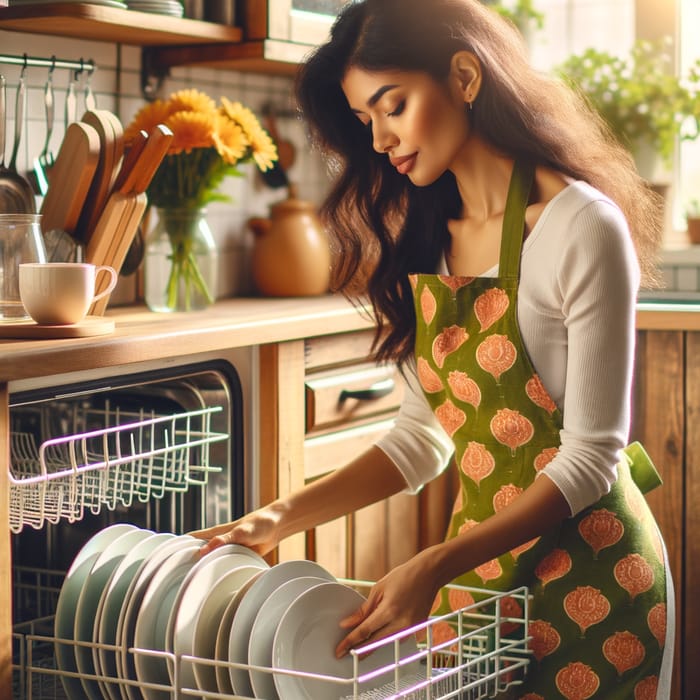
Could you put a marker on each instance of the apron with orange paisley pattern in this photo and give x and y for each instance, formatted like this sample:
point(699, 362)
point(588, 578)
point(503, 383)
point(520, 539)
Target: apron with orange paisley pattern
point(598, 582)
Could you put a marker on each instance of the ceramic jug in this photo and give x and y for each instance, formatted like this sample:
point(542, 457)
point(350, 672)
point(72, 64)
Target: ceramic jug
point(291, 255)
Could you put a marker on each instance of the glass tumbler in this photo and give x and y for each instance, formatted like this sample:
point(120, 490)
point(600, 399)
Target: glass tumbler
point(21, 241)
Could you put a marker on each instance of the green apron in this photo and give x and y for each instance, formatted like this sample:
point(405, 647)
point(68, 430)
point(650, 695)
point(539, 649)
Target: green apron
point(598, 581)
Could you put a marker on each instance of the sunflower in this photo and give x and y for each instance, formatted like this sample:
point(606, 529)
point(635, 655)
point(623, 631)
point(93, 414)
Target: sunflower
point(230, 140)
point(263, 149)
point(147, 118)
point(191, 130)
point(209, 142)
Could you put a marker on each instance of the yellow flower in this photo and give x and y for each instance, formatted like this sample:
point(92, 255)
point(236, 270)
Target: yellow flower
point(147, 118)
point(263, 149)
point(192, 101)
point(190, 130)
point(230, 141)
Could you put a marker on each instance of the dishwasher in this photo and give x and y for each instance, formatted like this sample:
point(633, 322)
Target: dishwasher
point(169, 448)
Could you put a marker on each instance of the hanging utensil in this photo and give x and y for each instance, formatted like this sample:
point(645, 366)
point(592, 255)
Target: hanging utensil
point(11, 199)
point(70, 112)
point(10, 179)
point(88, 94)
point(44, 161)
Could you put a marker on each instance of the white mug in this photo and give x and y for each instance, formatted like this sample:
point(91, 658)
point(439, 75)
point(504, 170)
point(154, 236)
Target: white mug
point(61, 293)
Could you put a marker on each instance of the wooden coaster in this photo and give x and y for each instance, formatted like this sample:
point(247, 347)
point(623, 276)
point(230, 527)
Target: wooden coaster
point(89, 326)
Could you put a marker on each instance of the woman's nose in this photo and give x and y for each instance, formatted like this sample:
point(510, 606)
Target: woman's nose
point(383, 140)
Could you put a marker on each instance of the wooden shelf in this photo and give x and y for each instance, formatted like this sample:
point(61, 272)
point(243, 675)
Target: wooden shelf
point(103, 23)
point(264, 56)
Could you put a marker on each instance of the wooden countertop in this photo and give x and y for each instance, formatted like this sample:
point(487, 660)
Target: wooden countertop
point(671, 316)
point(142, 335)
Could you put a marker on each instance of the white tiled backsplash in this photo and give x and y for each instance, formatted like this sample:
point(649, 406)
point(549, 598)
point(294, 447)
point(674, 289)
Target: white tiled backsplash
point(680, 270)
point(116, 84)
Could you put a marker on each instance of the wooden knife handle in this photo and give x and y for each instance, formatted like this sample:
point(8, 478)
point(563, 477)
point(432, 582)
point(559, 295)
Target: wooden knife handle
point(127, 175)
point(156, 149)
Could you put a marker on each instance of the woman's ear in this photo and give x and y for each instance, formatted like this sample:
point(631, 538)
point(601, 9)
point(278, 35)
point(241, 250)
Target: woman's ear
point(466, 74)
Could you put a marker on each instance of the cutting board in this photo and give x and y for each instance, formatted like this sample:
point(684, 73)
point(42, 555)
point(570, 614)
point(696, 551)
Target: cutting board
point(111, 136)
point(71, 177)
point(89, 326)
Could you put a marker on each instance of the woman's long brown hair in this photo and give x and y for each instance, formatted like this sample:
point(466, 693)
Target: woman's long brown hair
point(384, 227)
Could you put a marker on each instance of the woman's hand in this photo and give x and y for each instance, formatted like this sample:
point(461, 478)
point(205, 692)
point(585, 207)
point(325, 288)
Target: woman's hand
point(401, 599)
point(259, 530)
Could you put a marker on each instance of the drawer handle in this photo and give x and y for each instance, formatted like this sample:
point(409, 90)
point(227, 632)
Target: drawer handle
point(377, 391)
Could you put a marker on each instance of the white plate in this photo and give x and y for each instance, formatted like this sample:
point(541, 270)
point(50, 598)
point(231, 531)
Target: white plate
point(88, 603)
point(307, 636)
point(194, 591)
point(152, 618)
point(208, 618)
point(110, 607)
point(223, 679)
point(263, 633)
point(244, 618)
point(132, 601)
point(68, 600)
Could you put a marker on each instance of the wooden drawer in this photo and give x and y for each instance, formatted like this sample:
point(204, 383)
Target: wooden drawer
point(324, 453)
point(351, 393)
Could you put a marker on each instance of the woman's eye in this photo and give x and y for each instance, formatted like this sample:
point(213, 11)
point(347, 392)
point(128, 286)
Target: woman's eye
point(400, 107)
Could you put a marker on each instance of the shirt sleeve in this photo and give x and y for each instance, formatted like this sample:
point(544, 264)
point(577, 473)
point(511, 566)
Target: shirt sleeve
point(596, 282)
point(417, 444)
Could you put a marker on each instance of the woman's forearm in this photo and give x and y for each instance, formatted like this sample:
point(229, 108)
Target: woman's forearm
point(369, 478)
point(539, 509)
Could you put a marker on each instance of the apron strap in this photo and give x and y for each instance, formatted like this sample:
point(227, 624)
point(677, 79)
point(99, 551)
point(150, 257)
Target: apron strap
point(514, 218)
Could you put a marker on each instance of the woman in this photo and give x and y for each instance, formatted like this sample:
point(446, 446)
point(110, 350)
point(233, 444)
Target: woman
point(488, 212)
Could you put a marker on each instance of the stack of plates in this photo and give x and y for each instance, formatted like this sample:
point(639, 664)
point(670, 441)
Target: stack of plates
point(249, 628)
point(158, 7)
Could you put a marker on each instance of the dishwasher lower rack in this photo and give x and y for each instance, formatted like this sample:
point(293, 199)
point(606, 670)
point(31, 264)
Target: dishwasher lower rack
point(477, 651)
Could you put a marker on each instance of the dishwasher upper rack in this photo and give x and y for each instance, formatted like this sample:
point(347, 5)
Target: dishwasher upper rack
point(475, 652)
point(124, 456)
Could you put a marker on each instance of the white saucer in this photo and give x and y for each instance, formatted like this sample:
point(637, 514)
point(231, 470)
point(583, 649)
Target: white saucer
point(129, 610)
point(223, 679)
point(193, 592)
point(88, 603)
point(68, 600)
point(110, 607)
point(263, 633)
point(208, 618)
point(305, 641)
point(152, 618)
point(244, 618)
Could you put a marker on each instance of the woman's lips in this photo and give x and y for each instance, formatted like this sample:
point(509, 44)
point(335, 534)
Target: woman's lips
point(404, 163)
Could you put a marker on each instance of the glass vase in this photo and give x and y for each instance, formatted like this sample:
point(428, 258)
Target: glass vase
point(180, 262)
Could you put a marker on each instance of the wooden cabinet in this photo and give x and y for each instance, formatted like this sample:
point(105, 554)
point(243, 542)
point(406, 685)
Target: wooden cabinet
point(666, 410)
point(323, 401)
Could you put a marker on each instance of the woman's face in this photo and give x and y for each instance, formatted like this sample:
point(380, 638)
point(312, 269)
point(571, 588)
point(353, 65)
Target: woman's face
point(420, 126)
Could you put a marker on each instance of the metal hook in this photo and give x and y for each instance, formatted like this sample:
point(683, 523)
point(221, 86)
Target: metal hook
point(24, 65)
point(52, 67)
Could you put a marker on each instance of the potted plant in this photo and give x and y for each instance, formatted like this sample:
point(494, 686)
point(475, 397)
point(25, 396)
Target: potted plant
point(692, 218)
point(644, 103)
point(521, 12)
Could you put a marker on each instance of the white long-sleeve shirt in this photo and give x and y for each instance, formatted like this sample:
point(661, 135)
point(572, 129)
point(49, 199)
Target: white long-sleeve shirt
point(576, 311)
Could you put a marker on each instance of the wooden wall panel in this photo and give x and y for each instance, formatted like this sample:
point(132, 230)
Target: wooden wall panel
point(659, 424)
point(691, 602)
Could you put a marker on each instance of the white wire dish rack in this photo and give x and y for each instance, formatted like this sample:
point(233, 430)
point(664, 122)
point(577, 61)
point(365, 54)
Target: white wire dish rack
point(475, 652)
point(108, 457)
